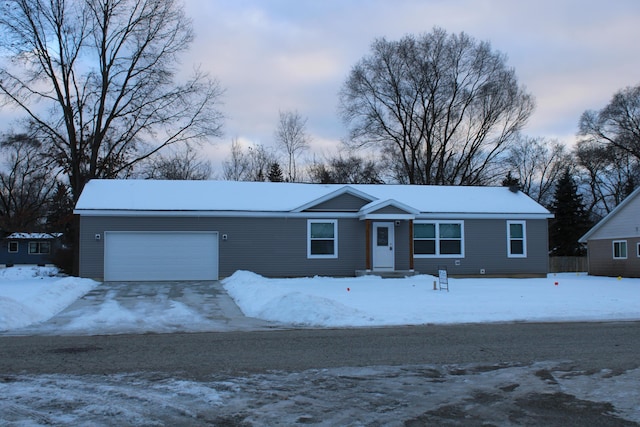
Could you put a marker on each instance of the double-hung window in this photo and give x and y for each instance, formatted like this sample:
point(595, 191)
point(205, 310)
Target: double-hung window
point(438, 239)
point(516, 239)
point(322, 238)
point(619, 249)
point(39, 248)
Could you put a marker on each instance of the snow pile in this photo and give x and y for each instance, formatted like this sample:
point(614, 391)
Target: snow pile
point(34, 294)
point(373, 301)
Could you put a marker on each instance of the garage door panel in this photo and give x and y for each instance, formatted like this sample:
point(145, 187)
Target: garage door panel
point(144, 256)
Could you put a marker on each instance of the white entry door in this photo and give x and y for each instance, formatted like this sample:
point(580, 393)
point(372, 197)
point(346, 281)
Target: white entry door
point(383, 246)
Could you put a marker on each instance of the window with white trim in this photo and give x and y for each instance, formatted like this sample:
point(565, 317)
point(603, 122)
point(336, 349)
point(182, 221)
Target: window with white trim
point(438, 239)
point(638, 250)
point(322, 238)
point(13, 247)
point(516, 239)
point(619, 249)
point(39, 248)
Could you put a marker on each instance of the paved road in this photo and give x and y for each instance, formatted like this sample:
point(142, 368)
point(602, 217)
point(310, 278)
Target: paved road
point(498, 374)
point(590, 346)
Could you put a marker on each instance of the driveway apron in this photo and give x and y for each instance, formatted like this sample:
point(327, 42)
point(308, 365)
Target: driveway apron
point(150, 307)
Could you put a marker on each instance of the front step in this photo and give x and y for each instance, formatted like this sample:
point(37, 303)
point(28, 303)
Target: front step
point(396, 274)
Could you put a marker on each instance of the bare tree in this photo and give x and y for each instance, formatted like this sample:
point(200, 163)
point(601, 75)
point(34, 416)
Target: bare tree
point(291, 136)
point(26, 184)
point(184, 164)
point(96, 79)
point(617, 124)
point(445, 106)
point(537, 163)
point(346, 170)
point(607, 175)
point(253, 164)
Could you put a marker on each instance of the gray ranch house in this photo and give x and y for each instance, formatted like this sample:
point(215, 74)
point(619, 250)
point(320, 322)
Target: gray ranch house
point(613, 244)
point(137, 230)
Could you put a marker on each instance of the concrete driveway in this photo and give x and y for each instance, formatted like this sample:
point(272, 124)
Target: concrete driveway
point(150, 307)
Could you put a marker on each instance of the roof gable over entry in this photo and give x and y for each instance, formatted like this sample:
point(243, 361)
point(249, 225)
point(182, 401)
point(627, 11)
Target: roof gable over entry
point(160, 197)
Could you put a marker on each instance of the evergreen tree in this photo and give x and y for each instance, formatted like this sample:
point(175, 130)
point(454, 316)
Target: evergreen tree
point(275, 173)
point(571, 220)
point(511, 182)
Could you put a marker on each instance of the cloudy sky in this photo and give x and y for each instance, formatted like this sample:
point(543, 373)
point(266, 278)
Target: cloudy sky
point(272, 55)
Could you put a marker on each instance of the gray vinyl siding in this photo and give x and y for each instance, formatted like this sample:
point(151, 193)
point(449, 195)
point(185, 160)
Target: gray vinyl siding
point(341, 203)
point(485, 243)
point(390, 210)
point(273, 247)
point(277, 247)
point(601, 262)
point(623, 223)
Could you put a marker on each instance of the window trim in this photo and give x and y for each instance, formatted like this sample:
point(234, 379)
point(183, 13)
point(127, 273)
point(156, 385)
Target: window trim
point(437, 239)
point(510, 239)
point(638, 249)
point(17, 245)
point(335, 239)
point(626, 249)
point(39, 248)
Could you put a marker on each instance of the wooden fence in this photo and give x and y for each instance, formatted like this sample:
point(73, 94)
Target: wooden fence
point(564, 264)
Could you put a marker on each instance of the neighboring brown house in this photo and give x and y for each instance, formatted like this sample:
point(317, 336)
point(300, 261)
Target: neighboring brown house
point(613, 244)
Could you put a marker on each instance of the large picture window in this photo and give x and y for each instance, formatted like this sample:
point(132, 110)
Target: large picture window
point(619, 249)
point(516, 239)
point(438, 239)
point(39, 248)
point(322, 238)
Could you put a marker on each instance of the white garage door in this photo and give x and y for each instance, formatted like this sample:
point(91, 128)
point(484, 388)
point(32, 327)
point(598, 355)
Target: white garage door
point(145, 256)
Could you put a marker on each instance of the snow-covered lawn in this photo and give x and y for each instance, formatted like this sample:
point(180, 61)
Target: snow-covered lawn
point(372, 301)
point(32, 295)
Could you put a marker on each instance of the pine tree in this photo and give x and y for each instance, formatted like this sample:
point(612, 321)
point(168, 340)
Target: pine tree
point(571, 220)
point(275, 173)
point(511, 182)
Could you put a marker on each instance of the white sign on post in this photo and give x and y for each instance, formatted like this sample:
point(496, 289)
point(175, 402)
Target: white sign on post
point(443, 278)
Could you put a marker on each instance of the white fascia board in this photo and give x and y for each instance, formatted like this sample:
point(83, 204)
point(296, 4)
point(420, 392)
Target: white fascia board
point(213, 214)
point(387, 216)
point(339, 192)
point(377, 205)
point(453, 215)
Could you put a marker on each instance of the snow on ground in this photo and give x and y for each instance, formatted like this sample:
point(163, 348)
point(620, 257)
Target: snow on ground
point(31, 295)
point(543, 393)
point(373, 301)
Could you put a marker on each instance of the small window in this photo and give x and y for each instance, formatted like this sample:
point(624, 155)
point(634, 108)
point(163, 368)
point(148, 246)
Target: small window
point(13, 247)
point(433, 239)
point(516, 239)
point(619, 249)
point(638, 250)
point(322, 241)
point(39, 248)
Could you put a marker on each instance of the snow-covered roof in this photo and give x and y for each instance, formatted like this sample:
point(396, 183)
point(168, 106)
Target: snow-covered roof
point(238, 196)
point(34, 236)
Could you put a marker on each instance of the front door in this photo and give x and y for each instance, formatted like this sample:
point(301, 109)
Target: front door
point(383, 244)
